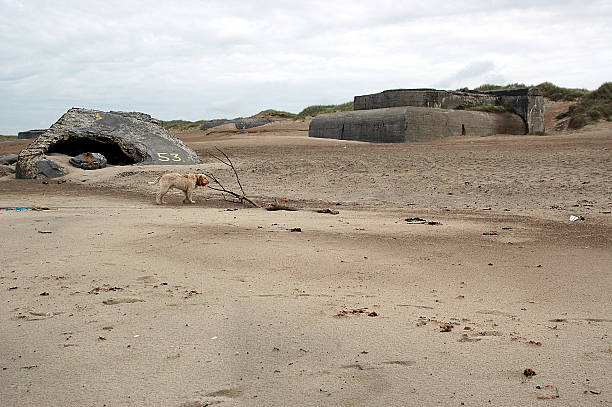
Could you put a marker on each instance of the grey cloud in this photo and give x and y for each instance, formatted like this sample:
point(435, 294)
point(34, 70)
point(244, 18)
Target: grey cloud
point(197, 60)
point(481, 71)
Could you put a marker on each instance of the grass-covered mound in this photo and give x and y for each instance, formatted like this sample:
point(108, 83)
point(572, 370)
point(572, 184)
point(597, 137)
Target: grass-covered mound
point(549, 90)
point(489, 86)
point(557, 93)
point(182, 125)
point(591, 107)
point(315, 110)
point(275, 114)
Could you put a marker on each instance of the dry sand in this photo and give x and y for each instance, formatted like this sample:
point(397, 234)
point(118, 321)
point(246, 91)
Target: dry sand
point(111, 300)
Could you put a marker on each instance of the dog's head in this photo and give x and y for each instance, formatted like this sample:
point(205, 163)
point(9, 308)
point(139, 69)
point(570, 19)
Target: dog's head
point(201, 180)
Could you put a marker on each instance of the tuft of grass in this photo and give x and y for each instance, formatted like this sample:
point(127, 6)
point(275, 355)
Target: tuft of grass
point(591, 107)
point(315, 110)
point(182, 125)
point(556, 93)
point(274, 114)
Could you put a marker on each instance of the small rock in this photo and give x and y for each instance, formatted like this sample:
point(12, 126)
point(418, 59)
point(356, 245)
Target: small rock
point(8, 159)
point(330, 211)
point(529, 372)
point(89, 161)
point(128, 300)
point(446, 327)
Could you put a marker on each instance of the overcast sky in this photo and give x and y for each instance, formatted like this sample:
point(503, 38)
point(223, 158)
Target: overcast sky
point(221, 59)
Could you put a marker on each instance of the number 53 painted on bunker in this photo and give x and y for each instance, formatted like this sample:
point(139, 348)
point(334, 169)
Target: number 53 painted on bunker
point(165, 157)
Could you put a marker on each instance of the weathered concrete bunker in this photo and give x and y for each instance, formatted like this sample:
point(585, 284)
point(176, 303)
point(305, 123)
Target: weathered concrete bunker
point(401, 124)
point(425, 114)
point(123, 138)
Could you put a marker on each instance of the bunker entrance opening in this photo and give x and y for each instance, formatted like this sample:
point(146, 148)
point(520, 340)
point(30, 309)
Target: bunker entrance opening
point(113, 153)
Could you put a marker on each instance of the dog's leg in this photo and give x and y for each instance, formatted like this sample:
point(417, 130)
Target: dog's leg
point(159, 199)
point(188, 193)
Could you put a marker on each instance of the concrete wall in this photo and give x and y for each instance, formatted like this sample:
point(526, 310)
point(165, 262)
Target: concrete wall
point(379, 126)
point(422, 98)
point(401, 124)
point(526, 102)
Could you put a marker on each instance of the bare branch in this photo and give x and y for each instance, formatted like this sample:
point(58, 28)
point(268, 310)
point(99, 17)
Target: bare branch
point(221, 188)
point(231, 164)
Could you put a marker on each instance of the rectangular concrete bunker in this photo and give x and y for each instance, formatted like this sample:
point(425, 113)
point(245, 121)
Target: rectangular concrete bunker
point(528, 103)
point(408, 123)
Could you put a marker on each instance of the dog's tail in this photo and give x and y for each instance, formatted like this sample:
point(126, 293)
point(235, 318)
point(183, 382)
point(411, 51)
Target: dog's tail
point(156, 181)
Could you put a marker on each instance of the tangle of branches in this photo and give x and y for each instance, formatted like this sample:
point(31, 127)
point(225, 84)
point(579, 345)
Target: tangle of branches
point(240, 196)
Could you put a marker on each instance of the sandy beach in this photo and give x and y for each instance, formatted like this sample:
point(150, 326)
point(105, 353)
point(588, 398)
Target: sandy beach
point(444, 270)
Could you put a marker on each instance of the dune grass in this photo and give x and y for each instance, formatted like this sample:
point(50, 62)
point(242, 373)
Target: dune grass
point(182, 125)
point(591, 107)
point(315, 110)
point(557, 93)
point(274, 114)
point(488, 86)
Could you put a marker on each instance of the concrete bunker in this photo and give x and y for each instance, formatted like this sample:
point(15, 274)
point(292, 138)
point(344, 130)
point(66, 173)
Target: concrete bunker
point(426, 114)
point(402, 124)
point(124, 138)
point(528, 103)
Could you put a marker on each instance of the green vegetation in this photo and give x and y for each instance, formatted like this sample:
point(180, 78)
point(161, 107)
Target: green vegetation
point(591, 107)
point(315, 110)
point(548, 90)
point(557, 93)
point(274, 114)
point(489, 86)
point(182, 125)
point(2, 137)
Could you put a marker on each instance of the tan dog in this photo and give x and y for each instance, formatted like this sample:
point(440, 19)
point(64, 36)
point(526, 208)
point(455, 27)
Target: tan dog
point(185, 182)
